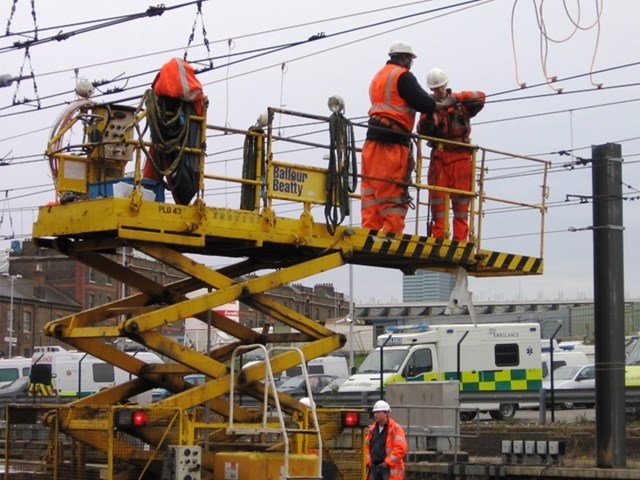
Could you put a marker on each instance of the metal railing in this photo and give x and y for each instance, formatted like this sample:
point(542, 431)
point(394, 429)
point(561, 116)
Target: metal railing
point(579, 396)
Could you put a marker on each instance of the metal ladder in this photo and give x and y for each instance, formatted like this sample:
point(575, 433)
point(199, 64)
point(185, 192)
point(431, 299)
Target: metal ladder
point(282, 430)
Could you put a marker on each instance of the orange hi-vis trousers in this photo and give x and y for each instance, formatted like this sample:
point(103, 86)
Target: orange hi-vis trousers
point(450, 169)
point(384, 199)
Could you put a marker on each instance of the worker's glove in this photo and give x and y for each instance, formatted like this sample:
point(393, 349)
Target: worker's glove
point(450, 101)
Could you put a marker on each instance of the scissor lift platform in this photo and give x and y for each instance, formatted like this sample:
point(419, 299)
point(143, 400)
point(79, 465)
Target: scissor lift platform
point(266, 249)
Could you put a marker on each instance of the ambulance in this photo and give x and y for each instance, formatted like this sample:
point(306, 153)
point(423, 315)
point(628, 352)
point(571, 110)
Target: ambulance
point(482, 357)
point(72, 374)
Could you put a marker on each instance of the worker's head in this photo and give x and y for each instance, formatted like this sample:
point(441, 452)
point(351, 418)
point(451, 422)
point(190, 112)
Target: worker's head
point(381, 411)
point(437, 81)
point(402, 53)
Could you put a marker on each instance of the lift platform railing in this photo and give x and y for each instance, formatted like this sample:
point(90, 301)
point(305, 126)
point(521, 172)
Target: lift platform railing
point(313, 166)
point(495, 173)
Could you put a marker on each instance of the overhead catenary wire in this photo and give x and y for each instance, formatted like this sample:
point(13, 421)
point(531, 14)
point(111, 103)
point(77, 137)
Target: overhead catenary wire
point(277, 48)
point(61, 36)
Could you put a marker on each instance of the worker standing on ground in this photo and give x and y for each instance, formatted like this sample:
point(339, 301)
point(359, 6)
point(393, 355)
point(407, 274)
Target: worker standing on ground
point(385, 445)
point(451, 166)
point(387, 161)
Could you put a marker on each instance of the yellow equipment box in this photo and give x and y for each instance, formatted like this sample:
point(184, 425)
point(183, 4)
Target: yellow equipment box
point(261, 466)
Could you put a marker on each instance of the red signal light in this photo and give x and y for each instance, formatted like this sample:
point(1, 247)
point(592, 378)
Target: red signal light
point(128, 419)
point(354, 419)
point(139, 418)
point(350, 419)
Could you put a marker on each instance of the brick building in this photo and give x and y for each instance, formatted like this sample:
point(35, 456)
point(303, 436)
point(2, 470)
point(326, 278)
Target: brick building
point(76, 287)
point(34, 304)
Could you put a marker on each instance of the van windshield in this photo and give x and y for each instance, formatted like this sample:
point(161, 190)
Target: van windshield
point(392, 361)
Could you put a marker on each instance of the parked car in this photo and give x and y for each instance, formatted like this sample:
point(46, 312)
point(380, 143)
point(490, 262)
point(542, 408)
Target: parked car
point(334, 386)
point(15, 390)
point(297, 388)
point(562, 358)
point(161, 393)
point(571, 376)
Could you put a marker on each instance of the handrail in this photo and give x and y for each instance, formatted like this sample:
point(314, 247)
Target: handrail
point(301, 186)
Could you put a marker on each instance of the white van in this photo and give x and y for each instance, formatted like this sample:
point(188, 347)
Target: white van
point(562, 358)
point(75, 374)
point(14, 368)
point(330, 365)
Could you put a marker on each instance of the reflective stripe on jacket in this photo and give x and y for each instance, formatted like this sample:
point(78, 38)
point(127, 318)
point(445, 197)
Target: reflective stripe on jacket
point(386, 100)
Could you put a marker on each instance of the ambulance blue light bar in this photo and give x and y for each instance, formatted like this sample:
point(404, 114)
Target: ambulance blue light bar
point(417, 328)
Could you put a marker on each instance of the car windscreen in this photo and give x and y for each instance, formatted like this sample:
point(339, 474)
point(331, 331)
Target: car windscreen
point(565, 373)
point(293, 383)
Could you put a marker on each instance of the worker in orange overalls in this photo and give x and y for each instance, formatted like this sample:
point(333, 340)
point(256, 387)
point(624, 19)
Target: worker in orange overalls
point(387, 161)
point(385, 445)
point(450, 166)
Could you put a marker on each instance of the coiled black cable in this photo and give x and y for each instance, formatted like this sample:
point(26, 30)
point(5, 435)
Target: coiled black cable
point(342, 165)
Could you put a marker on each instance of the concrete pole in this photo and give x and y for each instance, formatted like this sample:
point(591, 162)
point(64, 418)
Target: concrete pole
point(608, 285)
point(352, 362)
point(352, 316)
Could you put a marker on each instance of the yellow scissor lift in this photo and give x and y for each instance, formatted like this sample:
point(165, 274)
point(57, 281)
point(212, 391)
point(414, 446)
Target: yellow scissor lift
point(267, 250)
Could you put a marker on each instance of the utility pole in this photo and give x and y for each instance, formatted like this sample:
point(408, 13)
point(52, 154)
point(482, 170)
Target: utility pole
point(11, 319)
point(608, 286)
point(10, 339)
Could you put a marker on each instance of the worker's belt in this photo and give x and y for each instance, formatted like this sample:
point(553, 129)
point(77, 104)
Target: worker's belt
point(389, 123)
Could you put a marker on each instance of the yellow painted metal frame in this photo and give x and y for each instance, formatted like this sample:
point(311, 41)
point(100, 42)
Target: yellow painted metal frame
point(287, 248)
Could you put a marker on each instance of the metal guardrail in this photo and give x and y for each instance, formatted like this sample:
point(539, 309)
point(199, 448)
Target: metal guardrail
point(586, 395)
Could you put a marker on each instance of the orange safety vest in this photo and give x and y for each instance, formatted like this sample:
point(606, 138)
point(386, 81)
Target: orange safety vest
point(386, 100)
point(453, 123)
point(177, 79)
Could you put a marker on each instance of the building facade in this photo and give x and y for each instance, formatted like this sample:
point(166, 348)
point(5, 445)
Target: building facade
point(427, 286)
point(26, 305)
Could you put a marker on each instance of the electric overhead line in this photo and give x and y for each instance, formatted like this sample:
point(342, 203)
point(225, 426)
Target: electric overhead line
point(264, 51)
point(61, 36)
point(556, 112)
point(357, 28)
point(478, 123)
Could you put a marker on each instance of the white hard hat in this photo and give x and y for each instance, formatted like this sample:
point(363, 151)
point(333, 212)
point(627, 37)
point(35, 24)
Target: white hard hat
point(437, 78)
point(381, 406)
point(401, 48)
point(308, 402)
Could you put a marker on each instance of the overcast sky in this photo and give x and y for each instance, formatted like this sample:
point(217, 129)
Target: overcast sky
point(494, 46)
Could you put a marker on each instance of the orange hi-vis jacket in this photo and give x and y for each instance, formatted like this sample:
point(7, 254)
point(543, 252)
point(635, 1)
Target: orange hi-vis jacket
point(453, 123)
point(177, 79)
point(396, 448)
point(385, 99)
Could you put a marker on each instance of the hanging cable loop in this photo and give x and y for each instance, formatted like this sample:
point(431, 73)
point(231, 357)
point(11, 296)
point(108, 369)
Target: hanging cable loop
point(342, 171)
